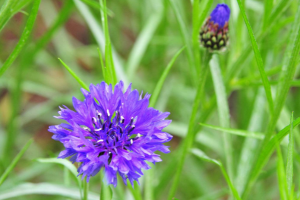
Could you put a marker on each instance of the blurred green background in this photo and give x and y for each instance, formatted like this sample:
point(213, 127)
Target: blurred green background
point(145, 36)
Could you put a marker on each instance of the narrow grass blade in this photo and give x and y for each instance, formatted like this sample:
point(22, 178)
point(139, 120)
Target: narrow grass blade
point(5, 11)
point(108, 50)
point(44, 189)
point(186, 38)
point(105, 72)
point(258, 57)
point(142, 42)
point(161, 81)
point(281, 174)
point(24, 37)
point(74, 75)
point(244, 133)
point(266, 152)
point(96, 30)
point(202, 156)
point(198, 19)
point(59, 21)
point(15, 161)
point(248, 152)
point(223, 111)
point(289, 165)
point(97, 6)
point(190, 137)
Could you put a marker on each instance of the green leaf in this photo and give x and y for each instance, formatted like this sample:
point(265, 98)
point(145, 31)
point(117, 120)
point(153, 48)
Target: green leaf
point(202, 155)
point(289, 165)
point(44, 189)
point(15, 161)
point(23, 39)
point(74, 75)
point(258, 57)
point(223, 110)
point(161, 81)
point(244, 133)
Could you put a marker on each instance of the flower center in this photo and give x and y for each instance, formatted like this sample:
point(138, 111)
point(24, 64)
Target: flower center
point(111, 132)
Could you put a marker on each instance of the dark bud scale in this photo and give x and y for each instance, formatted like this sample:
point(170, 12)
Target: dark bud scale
point(213, 37)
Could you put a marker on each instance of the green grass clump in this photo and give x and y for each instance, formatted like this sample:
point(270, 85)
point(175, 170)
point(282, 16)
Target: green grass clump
point(235, 114)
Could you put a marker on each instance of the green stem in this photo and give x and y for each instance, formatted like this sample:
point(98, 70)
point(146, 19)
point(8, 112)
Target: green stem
point(85, 189)
point(188, 141)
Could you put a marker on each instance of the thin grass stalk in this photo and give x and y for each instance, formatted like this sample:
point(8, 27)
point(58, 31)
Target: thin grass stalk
point(188, 141)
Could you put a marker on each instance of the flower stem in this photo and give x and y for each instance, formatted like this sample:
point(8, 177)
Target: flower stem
point(85, 189)
point(188, 141)
point(105, 192)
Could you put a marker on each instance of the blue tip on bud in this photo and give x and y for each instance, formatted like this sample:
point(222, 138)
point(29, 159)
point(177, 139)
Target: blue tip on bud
point(214, 33)
point(220, 15)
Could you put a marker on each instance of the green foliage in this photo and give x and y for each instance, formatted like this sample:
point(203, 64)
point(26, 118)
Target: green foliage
point(247, 94)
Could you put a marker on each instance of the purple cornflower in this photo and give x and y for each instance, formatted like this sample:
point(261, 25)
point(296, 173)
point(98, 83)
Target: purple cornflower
point(112, 129)
point(214, 33)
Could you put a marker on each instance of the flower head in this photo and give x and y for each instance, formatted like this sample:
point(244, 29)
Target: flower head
point(112, 129)
point(214, 33)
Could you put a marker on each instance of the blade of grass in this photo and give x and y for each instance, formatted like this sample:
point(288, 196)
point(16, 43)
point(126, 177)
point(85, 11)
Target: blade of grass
point(281, 174)
point(100, 38)
point(198, 20)
point(223, 111)
point(289, 165)
point(6, 12)
point(44, 189)
point(239, 132)
point(15, 161)
point(158, 87)
point(23, 39)
point(108, 52)
point(74, 75)
point(258, 57)
point(190, 137)
point(202, 156)
point(250, 145)
point(185, 35)
point(161, 81)
point(289, 67)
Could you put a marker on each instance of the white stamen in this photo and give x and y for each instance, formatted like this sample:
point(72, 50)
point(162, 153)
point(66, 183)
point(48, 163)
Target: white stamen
point(131, 141)
point(99, 129)
point(86, 128)
point(139, 135)
point(108, 114)
point(94, 120)
point(100, 140)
